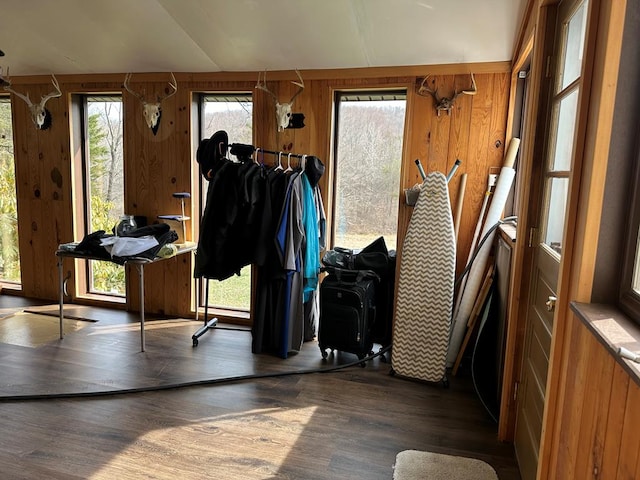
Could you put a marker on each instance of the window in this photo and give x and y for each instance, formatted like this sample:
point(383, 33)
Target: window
point(9, 251)
point(630, 284)
point(617, 278)
point(564, 118)
point(368, 156)
point(103, 184)
point(233, 113)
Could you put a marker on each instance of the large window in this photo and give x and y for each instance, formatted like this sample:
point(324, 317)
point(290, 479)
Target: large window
point(104, 184)
point(9, 253)
point(232, 113)
point(368, 153)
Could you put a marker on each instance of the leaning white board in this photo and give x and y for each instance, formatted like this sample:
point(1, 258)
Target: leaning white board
point(477, 271)
point(425, 286)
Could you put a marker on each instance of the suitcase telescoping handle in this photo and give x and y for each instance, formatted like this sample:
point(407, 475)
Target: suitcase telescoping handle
point(345, 276)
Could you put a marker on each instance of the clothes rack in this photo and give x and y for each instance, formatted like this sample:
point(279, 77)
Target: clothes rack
point(243, 152)
point(208, 324)
point(259, 150)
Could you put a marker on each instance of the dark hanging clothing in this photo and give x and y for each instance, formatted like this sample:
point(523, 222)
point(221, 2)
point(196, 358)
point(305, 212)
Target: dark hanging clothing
point(270, 282)
point(234, 225)
point(256, 215)
point(217, 226)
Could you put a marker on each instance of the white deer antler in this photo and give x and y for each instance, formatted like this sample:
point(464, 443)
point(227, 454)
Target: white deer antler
point(38, 110)
point(174, 88)
point(300, 86)
point(283, 110)
point(151, 111)
point(445, 103)
point(262, 85)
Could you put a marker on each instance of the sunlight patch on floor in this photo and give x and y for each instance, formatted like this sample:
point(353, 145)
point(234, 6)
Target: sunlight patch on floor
point(148, 325)
point(253, 444)
point(33, 330)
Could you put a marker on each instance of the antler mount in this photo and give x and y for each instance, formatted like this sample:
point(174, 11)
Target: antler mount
point(445, 103)
point(152, 110)
point(39, 114)
point(283, 110)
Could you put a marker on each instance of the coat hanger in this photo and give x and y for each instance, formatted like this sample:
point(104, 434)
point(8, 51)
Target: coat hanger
point(289, 169)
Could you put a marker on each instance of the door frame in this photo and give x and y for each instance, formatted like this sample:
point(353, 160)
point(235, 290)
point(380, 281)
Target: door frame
point(536, 51)
point(586, 191)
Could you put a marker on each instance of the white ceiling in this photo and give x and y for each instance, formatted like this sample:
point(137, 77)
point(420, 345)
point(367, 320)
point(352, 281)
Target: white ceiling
point(114, 36)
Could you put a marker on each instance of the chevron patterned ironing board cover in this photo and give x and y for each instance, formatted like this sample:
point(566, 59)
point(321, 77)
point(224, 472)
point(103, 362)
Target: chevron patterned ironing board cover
point(425, 286)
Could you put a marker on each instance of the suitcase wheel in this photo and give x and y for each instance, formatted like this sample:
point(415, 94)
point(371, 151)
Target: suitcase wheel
point(323, 350)
point(360, 357)
point(383, 356)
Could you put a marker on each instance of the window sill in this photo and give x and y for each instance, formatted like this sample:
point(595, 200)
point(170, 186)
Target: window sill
point(11, 288)
point(613, 329)
point(236, 317)
point(100, 300)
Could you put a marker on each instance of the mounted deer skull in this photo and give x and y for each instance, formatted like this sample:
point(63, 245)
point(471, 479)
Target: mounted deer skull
point(39, 114)
point(152, 111)
point(445, 103)
point(283, 110)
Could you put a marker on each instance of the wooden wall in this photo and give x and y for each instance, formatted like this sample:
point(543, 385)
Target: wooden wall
point(598, 431)
point(591, 421)
point(158, 165)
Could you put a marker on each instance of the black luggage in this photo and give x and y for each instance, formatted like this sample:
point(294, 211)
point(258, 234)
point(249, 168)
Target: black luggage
point(377, 258)
point(347, 311)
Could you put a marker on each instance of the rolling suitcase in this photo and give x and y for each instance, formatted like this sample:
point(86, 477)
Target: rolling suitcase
point(377, 258)
point(347, 311)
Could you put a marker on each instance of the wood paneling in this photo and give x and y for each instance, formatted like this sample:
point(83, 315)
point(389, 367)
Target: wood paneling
point(158, 165)
point(598, 436)
point(43, 179)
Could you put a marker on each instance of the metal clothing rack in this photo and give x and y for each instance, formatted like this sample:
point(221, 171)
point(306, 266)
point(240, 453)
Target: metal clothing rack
point(259, 150)
point(210, 324)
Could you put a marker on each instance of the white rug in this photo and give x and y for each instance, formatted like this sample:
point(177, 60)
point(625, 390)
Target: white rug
point(415, 465)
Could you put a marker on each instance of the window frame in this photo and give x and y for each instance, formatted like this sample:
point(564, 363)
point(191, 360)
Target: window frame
point(390, 93)
point(80, 109)
point(6, 283)
point(629, 299)
point(228, 313)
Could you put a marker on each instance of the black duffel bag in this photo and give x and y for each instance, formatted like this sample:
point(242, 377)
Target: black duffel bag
point(374, 256)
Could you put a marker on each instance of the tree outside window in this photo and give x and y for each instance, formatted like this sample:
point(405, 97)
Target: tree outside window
point(105, 189)
point(9, 251)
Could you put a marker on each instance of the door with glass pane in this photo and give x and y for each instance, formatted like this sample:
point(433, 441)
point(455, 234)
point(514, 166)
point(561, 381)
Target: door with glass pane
point(547, 238)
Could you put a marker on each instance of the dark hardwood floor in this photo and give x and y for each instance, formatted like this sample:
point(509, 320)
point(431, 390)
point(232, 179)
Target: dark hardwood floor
point(347, 424)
